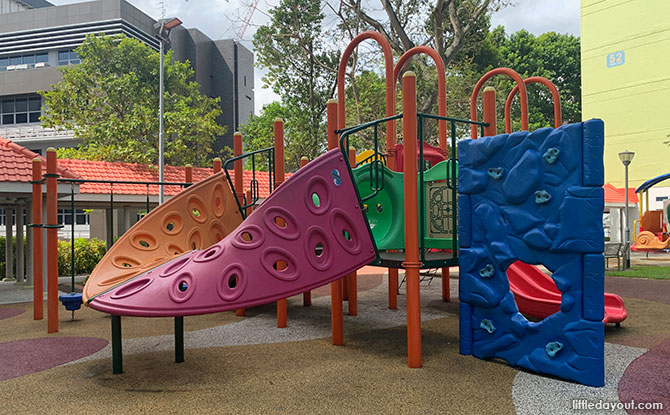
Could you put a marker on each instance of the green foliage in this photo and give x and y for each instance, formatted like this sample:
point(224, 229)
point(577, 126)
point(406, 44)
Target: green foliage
point(550, 55)
point(3, 258)
point(110, 101)
point(87, 254)
point(258, 133)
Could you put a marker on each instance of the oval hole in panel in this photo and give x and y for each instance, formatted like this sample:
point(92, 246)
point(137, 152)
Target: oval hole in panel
point(182, 287)
point(194, 240)
point(317, 195)
point(144, 241)
point(125, 262)
point(287, 227)
point(130, 288)
point(172, 223)
point(273, 258)
point(249, 237)
point(196, 208)
point(174, 266)
point(216, 231)
point(173, 249)
point(232, 282)
point(317, 248)
point(344, 231)
point(218, 200)
point(209, 254)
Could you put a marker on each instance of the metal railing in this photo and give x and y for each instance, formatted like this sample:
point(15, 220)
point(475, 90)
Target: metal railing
point(243, 205)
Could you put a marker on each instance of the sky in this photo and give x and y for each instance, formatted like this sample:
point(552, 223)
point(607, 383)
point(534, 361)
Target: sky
point(219, 19)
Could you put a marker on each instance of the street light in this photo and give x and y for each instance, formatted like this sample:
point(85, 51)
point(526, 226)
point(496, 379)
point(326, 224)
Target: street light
point(626, 157)
point(163, 27)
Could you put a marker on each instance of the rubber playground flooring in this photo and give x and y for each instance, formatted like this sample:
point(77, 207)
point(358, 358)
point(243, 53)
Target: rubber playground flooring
point(239, 365)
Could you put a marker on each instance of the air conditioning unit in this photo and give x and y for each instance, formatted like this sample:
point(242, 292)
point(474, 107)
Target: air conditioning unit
point(11, 67)
point(41, 64)
point(22, 67)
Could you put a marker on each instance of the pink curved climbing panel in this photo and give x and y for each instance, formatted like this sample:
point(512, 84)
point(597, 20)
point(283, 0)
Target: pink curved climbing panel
point(309, 232)
point(196, 218)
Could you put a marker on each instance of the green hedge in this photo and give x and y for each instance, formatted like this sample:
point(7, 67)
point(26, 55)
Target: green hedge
point(87, 254)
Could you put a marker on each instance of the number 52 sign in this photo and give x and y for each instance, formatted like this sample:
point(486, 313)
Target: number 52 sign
point(616, 59)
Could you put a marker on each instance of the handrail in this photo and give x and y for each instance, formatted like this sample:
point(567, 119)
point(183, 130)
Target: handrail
point(83, 181)
point(441, 87)
point(556, 98)
point(390, 86)
point(523, 96)
point(254, 183)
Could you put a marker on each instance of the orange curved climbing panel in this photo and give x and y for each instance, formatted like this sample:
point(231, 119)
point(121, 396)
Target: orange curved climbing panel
point(196, 218)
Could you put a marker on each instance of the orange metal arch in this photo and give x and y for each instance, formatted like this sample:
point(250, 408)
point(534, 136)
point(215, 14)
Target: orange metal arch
point(558, 118)
point(523, 95)
point(390, 85)
point(441, 86)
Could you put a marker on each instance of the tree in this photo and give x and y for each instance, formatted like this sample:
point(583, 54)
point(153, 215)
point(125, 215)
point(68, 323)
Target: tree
point(110, 101)
point(291, 47)
point(551, 55)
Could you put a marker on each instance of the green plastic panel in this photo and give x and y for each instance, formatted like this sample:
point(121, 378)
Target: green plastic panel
point(385, 211)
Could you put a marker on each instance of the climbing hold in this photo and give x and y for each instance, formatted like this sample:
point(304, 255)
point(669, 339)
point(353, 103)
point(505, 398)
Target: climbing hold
point(487, 325)
point(379, 207)
point(551, 155)
point(553, 348)
point(542, 196)
point(337, 179)
point(495, 172)
point(487, 271)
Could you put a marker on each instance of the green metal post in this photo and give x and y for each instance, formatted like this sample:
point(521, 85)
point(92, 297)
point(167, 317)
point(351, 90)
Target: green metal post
point(179, 339)
point(454, 191)
point(117, 354)
point(422, 192)
point(72, 236)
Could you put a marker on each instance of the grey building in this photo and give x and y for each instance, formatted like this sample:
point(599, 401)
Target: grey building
point(36, 37)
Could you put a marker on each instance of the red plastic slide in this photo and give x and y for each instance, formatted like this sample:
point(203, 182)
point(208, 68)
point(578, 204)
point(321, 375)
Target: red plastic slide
point(536, 294)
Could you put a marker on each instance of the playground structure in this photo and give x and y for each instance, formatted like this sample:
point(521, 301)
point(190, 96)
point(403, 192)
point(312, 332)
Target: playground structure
point(339, 232)
point(651, 230)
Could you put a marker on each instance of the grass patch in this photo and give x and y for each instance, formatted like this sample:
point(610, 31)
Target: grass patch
point(654, 273)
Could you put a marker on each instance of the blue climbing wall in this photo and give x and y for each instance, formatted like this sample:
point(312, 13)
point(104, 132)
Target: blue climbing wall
point(535, 197)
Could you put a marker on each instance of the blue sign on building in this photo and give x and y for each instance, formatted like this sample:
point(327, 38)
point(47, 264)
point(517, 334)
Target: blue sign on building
point(616, 59)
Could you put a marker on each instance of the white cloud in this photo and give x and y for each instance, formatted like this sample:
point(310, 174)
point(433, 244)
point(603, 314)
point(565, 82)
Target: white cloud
point(540, 16)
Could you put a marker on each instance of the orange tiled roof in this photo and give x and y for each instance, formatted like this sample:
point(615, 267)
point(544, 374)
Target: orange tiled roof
point(618, 195)
point(117, 171)
point(16, 163)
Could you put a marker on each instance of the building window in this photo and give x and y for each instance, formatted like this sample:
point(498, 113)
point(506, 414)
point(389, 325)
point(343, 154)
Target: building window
point(20, 109)
point(28, 59)
point(65, 217)
point(67, 57)
point(661, 198)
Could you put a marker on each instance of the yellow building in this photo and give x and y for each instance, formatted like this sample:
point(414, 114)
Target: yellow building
point(626, 82)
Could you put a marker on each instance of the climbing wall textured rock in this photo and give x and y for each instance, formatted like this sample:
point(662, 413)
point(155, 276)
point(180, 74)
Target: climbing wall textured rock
point(538, 198)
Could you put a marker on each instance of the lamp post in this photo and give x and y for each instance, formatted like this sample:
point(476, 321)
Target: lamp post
point(626, 157)
point(163, 27)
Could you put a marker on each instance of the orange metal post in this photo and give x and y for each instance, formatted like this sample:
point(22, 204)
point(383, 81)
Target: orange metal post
point(337, 326)
point(239, 174)
point(556, 97)
point(489, 111)
point(279, 179)
point(522, 91)
point(412, 263)
point(188, 174)
point(216, 165)
point(38, 283)
point(52, 242)
point(307, 295)
point(352, 279)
